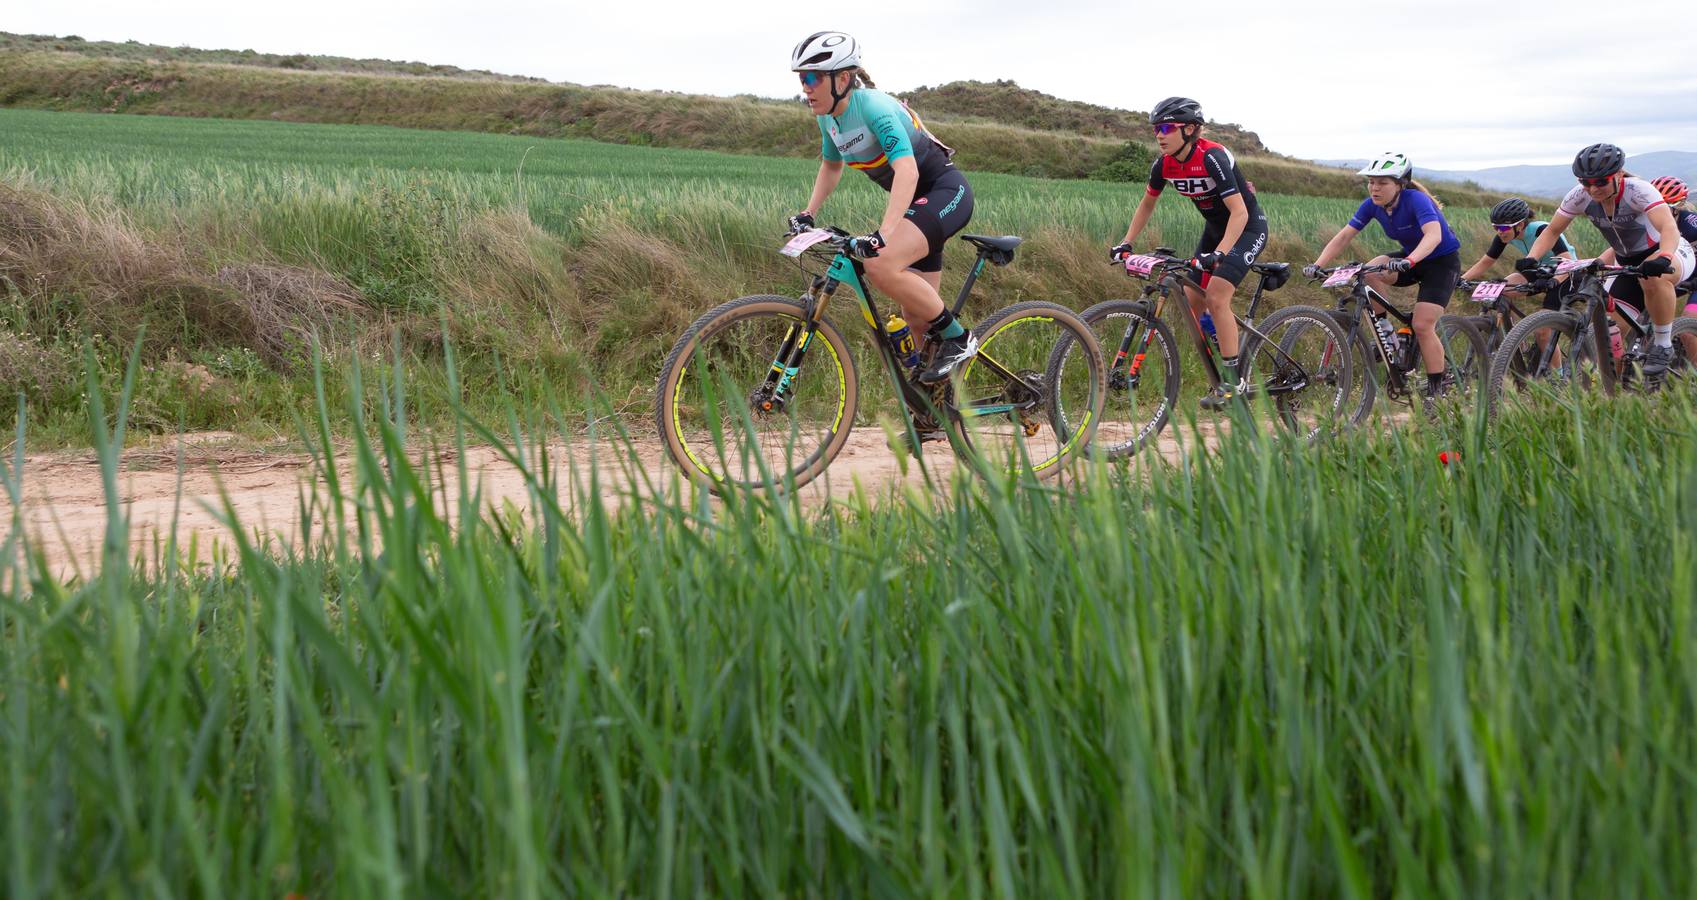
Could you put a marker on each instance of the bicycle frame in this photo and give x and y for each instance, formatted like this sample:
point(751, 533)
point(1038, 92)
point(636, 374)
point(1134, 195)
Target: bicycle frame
point(1355, 307)
point(919, 401)
point(1173, 278)
point(1600, 309)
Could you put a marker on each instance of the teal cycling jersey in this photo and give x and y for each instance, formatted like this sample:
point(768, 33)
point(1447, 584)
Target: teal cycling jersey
point(1525, 241)
point(876, 128)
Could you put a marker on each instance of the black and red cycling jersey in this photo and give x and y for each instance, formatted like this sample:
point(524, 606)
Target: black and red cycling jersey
point(1207, 177)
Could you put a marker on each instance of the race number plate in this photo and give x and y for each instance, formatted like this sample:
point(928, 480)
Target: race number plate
point(1489, 290)
point(1568, 265)
point(1142, 265)
point(802, 241)
point(1341, 277)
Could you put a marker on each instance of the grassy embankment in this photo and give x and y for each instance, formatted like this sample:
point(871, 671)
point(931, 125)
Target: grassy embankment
point(554, 263)
point(1401, 680)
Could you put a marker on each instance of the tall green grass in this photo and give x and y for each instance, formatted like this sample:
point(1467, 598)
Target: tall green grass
point(1266, 671)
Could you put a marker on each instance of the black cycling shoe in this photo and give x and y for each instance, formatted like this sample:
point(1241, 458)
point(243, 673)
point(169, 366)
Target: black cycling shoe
point(1656, 362)
point(951, 352)
point(1434, 395)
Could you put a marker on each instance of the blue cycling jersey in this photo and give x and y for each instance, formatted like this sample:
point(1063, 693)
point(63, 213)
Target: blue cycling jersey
point(1403, 223)
point(1687, 221)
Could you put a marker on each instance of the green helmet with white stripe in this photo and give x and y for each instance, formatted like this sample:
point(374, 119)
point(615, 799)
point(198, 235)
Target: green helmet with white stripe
point(1388, 165)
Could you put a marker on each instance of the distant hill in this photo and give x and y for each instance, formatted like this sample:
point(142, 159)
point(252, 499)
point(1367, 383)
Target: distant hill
point(1551, 180)
point(997, 126)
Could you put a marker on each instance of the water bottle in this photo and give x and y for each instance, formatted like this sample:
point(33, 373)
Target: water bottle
point(1208, 329)
point(907, 349)
point(1406, 347)
point(1387, 336)
point(1616, 347)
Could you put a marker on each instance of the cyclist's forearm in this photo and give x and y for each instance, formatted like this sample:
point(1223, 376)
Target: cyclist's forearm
point(1335, 245)
point(824, 183)
point(1432, 234)
point(1479, 268)
point(902, 189)
point(1140, 218)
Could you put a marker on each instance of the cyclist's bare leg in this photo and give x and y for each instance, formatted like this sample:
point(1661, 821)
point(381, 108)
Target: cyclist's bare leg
point(1659, 300)
point(888, 271)
point(1217, 300)
point(1426, 332)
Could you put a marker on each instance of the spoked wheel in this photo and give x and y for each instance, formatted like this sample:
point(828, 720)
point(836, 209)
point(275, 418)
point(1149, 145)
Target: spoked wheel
point(1549, 351)
point(1364, 366)
point(1143, 383)
point(728, 413)
point(1032, 396)
point(1467, 360)
point(1300, 374)
point(1682, 370)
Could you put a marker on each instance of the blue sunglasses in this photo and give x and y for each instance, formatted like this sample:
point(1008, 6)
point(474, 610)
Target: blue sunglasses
point(809, 79)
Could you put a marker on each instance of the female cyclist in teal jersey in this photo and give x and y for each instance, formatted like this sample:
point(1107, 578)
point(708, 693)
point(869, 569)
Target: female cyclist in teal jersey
point(1430, 255)
point(930, 201)
point(1516, 230)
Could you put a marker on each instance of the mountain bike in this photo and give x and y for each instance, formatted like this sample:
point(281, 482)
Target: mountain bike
point(1301, 381)
point(1571, 357)
point(1384, 354)
point(763, 390)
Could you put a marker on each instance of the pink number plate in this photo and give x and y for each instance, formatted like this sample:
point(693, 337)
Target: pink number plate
point(1568, 265)
point(803, 241)
point(1341, 277)
point(1489, 290)
point(1142, 265)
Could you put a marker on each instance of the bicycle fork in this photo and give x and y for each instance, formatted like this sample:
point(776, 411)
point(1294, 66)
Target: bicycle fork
point(786, 363)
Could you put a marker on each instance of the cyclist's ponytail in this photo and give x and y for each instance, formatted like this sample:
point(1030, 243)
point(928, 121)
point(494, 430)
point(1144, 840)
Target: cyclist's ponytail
point(1409, 184)
point(861, 79)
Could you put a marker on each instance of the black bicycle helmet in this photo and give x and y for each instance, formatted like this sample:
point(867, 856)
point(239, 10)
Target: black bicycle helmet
point(1598, 161)
point(1510, 211)
point(1178, 110)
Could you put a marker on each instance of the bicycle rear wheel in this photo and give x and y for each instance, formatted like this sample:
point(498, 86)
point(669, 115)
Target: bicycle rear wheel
point(1143, 385)
point(716, 405)
point(1031, 398)
point(1297, 370)
point(1529, 364)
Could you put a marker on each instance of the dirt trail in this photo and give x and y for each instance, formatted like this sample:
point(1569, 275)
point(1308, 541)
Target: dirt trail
point(64, 506)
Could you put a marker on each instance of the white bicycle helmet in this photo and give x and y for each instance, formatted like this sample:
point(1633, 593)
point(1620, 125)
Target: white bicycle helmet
point(1388, 165)
point(825, 51)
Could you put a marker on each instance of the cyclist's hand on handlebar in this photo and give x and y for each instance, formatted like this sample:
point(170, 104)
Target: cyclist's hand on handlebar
point(1119, 252)
point(1655, 267)
point(1525, 264)
point(801, 221)
point(1207, 261)
point(865, 246)
point(1312, 270)
point(1397, 264)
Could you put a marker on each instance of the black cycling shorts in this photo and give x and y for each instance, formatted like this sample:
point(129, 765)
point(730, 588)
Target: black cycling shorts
point(1235, 264)
point(1557, 297)
point(940, 210)
point(1437, 277)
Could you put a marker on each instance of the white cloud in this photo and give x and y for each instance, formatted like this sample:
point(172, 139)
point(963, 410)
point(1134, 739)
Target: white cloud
point(1454, 83)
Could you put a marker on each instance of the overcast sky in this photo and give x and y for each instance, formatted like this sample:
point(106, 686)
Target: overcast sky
point(1452, 83)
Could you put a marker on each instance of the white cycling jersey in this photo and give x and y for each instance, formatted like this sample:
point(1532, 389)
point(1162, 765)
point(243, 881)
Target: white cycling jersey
point(1627, 228)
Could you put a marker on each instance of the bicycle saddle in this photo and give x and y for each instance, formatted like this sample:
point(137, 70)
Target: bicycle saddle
point(999, 250)
point(1273, 275)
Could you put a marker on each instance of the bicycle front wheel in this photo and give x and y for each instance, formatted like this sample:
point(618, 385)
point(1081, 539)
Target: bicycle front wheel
point(1031, 398)
point(1143, 383)
point(1549, 351)
point(1298, 370)
point(747, 398)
